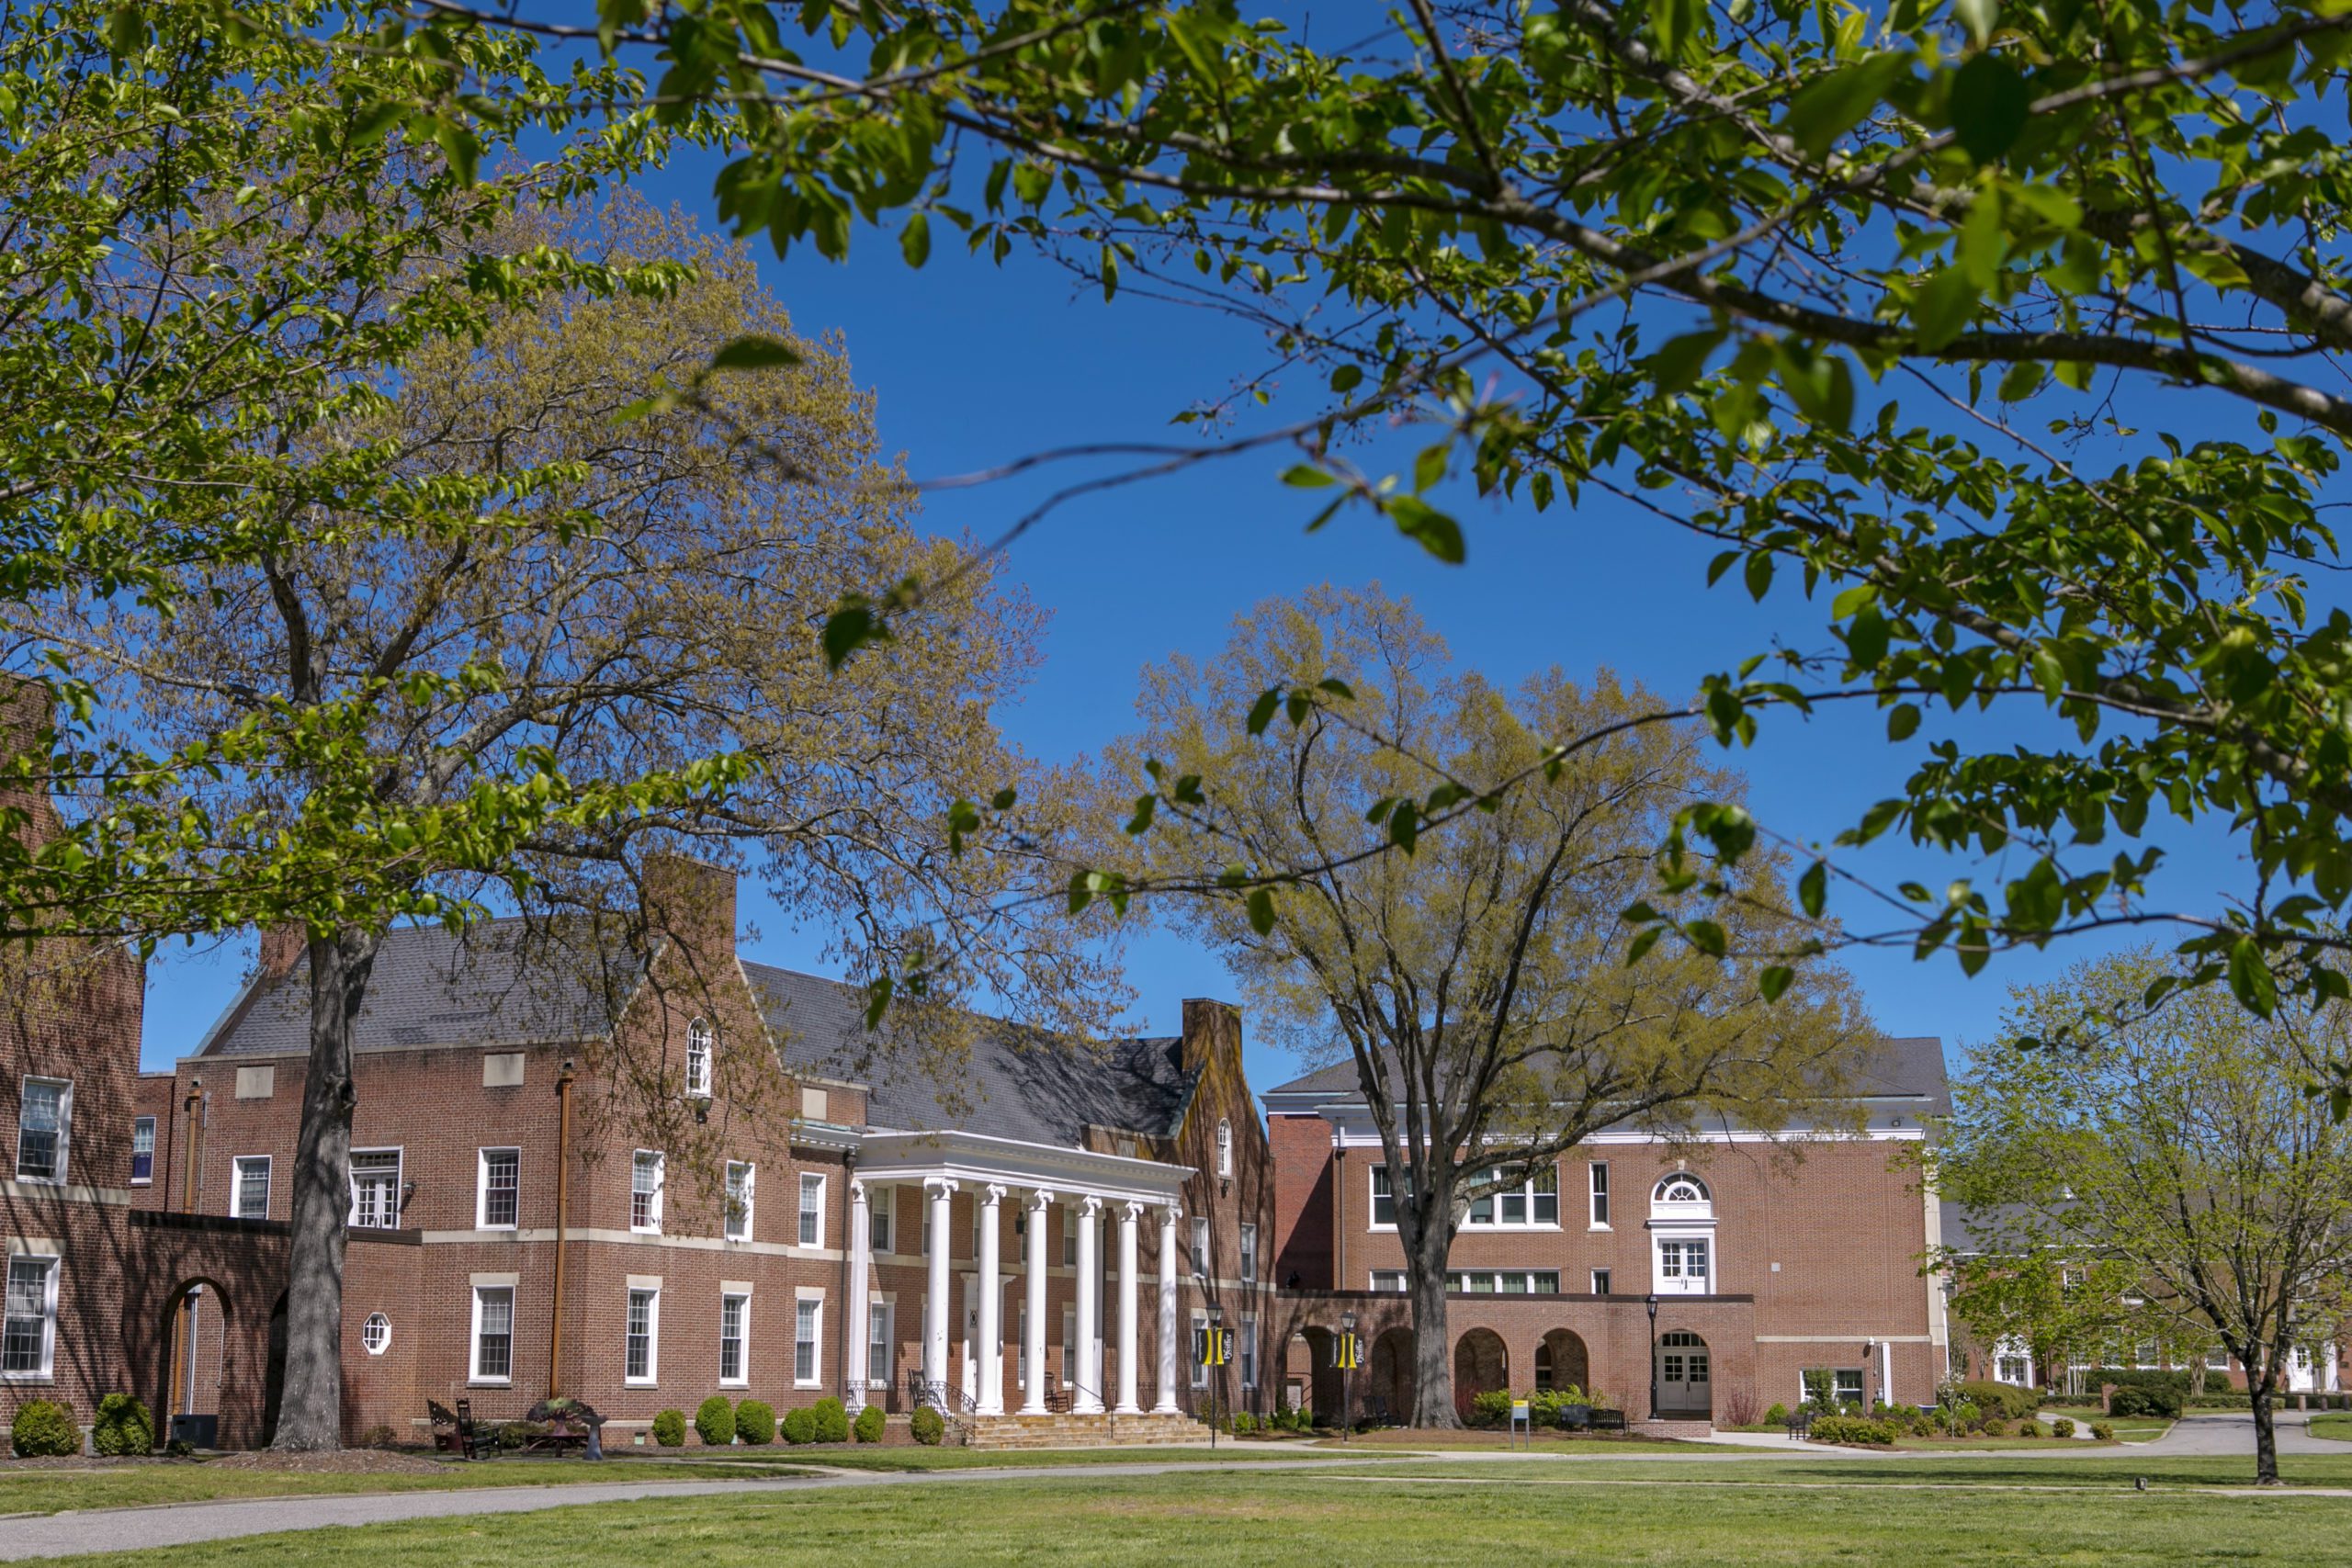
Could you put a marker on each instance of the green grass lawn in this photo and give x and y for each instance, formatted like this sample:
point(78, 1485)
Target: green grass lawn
point(1016, 1459)
point(2336, 1426)
point(130, 1486)
point(2094, 1471)
point(1507, 1514)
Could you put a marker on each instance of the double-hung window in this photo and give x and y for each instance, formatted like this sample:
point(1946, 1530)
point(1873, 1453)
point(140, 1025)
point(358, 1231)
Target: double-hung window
point(498, 1185)
point(641, 1348)
point(493, 1333)
point(698, 1044)
point(645, 1191)
point(28, 1325)
point(879, 1372)
point(808, 1323)
point(1384, 1200)
point(1247, 1352)
point(880, 1204)
point(1248, 1251)
point(44, 1111)
point(812, 1209)
point(1072, 1220)
point(1532, 1200)
point(1599, 1179)
point(376, 1189)
point(142, 1150)
point(1388, 1281)
point(1201, 1244)
point(249, 1192)
point(739, 1177)
point(1601, 1281)
point(1200, 1348)
point(734, 1326)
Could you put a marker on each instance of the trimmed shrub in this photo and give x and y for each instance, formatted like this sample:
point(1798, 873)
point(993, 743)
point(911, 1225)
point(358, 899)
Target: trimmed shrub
point(714, 1421)
point(928, 1425)
point(1490, 1408)
point(1999, 1398)
point(2063, 1427)
point(800, 1427)
point(832, 1421)
point(123, 1427)
point(2030, 1427)
point(2146, 1399)
point(1851, 1429)
point(1996, 1426)
point(755, 1421)
point(44, 1430)
point(1779, 1414)
point(2103, 1430)
point(669, 1428)
point(868, 1424)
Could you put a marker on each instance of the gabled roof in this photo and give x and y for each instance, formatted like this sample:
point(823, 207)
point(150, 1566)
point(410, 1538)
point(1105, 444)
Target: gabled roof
point(1011, 1082)
point(1908, 1067)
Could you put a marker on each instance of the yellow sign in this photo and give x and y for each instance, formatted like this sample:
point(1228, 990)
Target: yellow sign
point(1350, 1353)
point(1216, 1346)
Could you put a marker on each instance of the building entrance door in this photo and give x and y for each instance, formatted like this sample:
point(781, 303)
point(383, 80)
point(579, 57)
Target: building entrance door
point(1685, 1382)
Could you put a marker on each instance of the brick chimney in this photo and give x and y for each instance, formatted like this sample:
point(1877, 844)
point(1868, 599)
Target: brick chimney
point(1211, 1028)
point(691, 902)
point(282, 947)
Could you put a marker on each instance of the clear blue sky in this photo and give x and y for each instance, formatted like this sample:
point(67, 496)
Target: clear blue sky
point(974, 365)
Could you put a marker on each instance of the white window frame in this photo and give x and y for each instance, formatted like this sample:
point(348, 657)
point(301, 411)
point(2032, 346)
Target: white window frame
point(1224, 1149)
point(1496, 1198)
point(653, 1373)
point(64, 1087)
point(1377, 1185)
point(373, 1346)
point(1601, 1280)
point(1249, 1250)
point(653, 1224)
point(237, 1185)
point(52, 1267)
point(1198, 1343)
point(742, 1301)
point(474, 1374)
point(1247, 1351)
point(1201, 1245)
point(153, 1131)
point(882, 1340)
point(1070, 1235)
point(733, 1223)
point(1596, 1196)
point(1677, 1280)
point(1069, 1344)
point(701, 1048)
point(399, 1169)
point(882, 1219)
point(808, 1310)
point(808, 1226)
point(483, 1221)
point(1389, 1282)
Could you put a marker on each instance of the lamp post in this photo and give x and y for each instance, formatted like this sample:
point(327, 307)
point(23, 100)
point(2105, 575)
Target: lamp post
point(1653, 1306)
point(1215, 1368)
point(1347, 1333)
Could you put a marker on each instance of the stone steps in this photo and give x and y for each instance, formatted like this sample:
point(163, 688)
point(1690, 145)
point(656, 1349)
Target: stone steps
point(1068, 1430)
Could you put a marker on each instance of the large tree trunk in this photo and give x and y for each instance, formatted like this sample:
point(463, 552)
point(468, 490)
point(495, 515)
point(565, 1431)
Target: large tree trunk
point(310, 1409)
point(2266, 1434)
point(1432, 1346)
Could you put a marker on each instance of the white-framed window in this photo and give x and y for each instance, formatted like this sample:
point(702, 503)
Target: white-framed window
point(1531, 1204)
point(142, 1150)
point(1682, 1358)
point(376, 1334)
point(376, 1189)
point(28, 1321)
point(881, 1210)
point(741, 1179)
point(1201, 1244)
point(1842, 1386)
point(1682, 1265)
point(645, 1172)
point(1224, 1149)
point(812, 1207)
point(2216, 1359)
point(641, 1341)
point(881, 1346)
point(1069, 1346)
point(1505, 1282)
point(698, 1052)
point(734, 1330)
point(1601, 1281)
point(1249, 1250)
point(2014, 1368)
point(1390, 1281)
point(1682, 1192)
point(249, 1189)
point(494, 1334)
point(1384, 1200)
point(808, 1329)
point(1200, 1348)
point(45, 1114)
point(498, 1189)
point(1020, 1348)
point(1070, 1222)
point(1247, 1350)
point(1596, 1174)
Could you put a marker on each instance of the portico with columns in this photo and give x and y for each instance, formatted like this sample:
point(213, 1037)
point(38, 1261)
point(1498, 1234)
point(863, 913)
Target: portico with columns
point(981, 1359)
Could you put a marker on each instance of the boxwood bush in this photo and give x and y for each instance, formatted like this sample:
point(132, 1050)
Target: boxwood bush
point(1851, 1429)
point(831, 1420)
point(2000, 1398)
point(928, 1425)
point(868, 1424)
point(2103, 1430)
point(755, 1421)
point(801, 1425)
point(123, 1426)
point(44, 1430)
point(2063, 1427)
point(714, 1421)
point(669, 1428)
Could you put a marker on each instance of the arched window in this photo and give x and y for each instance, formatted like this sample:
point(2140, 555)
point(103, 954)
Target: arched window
point(698, 1045)
point(1681, 1191)
point(1224, 1149)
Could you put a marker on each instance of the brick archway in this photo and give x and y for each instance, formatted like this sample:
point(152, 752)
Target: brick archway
point(1481, 1363)
point(1562, 1362)
point(1389, 1388)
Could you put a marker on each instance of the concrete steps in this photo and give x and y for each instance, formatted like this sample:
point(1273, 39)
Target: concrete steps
point(1067, 1430)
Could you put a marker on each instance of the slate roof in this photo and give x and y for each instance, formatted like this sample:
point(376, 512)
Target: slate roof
point(1011, 1083)
point(1907, 1066)
point(488, 985)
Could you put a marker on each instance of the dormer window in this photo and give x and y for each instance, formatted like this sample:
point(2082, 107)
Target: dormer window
point(698, 1041)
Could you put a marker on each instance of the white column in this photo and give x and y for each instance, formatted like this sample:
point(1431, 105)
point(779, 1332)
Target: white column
point(1090, 1310)
point(861, 1268)
point(1130, 1215)
point(1168, 1219)
point(935, 1305)
point(990, 1395)
point(1032, 1332)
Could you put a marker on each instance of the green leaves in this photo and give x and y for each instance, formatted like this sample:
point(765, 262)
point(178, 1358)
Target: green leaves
point(753, 352)
point(914, 239)
point(1979, 17)
point(1990, 105)
point(1435, 532)
point(1833, 103)
point(2251, 980)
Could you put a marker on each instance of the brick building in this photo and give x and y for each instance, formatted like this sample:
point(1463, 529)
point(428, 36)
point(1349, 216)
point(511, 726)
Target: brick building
point(1762, 1267)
